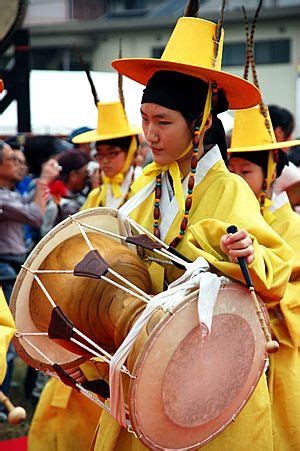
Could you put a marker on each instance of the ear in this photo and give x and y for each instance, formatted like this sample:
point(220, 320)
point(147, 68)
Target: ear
point(279, 134)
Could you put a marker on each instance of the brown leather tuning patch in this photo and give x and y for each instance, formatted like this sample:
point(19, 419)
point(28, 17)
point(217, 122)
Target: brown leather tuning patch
point(92, 265)
point(64, 377)
point(60, 327)
point(143, 241)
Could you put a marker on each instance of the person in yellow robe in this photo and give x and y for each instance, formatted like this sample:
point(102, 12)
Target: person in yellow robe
point(188, 198)
point(7, 330)
point(260, 163)
point(116, 147)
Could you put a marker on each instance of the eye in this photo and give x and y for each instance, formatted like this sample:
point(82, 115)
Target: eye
point(164, 123)
point(144, 119)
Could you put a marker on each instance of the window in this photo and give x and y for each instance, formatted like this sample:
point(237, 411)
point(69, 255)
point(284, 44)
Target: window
point(157, 52)
point(58, 59)
point(234, 55)
point(272, 52)
point(266, 52)
point(85, 10)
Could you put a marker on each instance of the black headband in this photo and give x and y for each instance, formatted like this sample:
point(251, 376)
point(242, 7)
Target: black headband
point(182, 93)
point(176, 91)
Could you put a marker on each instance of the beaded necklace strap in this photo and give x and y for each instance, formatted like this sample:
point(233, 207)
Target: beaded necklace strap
point(188, 200)
point(263, 195)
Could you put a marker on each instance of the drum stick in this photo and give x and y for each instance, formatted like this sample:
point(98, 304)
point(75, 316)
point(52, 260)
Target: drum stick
point(16, 415)
point(271, 345)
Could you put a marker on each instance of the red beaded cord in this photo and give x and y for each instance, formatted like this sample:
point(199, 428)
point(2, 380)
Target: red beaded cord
point(188, 200)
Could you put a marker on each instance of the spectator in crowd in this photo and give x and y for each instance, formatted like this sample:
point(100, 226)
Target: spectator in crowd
point(41, 153)
point(83, 147)
point(14, 212)
point(23, 179)
point(289, 181)
point(66, 189)
point(93, 165)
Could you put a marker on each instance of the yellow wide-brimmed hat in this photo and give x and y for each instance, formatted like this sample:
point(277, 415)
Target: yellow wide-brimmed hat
point(112, 124)
point(250, 132)
point(191, 51)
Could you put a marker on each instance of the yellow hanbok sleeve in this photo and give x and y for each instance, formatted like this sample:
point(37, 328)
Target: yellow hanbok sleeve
point(231, 202)
point(7, 330)
point(93, 199)
point(287, 224)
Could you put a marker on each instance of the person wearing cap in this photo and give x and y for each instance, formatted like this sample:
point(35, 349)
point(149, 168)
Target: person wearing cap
point(188, 198)
point(84, 147)
point(73, 177)
point(259, 160)
point(116, 146)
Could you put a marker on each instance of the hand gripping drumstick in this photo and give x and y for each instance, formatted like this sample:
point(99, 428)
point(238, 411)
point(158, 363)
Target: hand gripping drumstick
point(271, 345)
point(15, 414)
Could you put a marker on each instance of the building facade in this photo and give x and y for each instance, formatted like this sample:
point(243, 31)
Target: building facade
point(144, 26)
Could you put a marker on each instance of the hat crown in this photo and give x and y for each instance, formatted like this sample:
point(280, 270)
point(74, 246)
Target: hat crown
point(193, 42)
point(112, 119)
point(250, 129)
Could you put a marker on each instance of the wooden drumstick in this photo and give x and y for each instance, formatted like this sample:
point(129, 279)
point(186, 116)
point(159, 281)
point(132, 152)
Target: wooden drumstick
point(16, 415)
point(271, 345)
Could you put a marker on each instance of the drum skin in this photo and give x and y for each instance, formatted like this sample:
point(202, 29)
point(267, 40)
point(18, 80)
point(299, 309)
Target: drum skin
point(188, 389)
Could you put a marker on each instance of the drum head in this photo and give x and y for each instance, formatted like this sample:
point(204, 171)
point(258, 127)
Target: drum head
point(105, 218)
point(187, 389)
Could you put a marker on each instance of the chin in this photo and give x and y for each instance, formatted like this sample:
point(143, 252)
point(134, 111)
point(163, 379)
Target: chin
point(159, 159)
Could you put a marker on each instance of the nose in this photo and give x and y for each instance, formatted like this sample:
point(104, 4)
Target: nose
point(151, 135)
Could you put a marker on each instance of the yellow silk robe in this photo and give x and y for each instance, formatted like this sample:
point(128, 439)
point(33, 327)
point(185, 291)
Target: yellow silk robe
point(65, 419)
point(284, 371)
point(93, 199)
point(7, 330)
point(219, 200)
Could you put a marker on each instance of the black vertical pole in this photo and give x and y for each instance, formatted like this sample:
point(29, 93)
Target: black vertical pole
point(22, 71)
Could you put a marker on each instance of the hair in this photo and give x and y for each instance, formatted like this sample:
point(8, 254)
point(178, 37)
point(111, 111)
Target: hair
point(38, 149)
point(261, 157)
point(2, 144)
point(71, 160)
point(215, 135)
point(283, 118)
point(123, 143)
point(294, 155)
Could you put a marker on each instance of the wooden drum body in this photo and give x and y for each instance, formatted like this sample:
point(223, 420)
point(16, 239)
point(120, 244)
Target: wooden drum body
point(94, 306)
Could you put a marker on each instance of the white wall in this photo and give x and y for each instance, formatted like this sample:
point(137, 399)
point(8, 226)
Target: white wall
point(44, 11)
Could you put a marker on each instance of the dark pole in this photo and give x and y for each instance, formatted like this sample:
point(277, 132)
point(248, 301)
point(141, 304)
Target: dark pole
point(22, 72)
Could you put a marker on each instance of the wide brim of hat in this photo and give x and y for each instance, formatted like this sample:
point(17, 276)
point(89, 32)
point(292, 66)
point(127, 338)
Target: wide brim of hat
point(270, 146)
point(94, 135)
point(240, 93)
